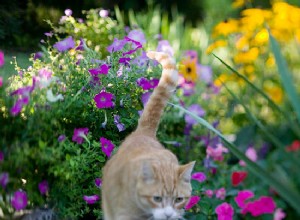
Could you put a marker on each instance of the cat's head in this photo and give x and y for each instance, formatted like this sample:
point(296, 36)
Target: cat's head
point(164, 189)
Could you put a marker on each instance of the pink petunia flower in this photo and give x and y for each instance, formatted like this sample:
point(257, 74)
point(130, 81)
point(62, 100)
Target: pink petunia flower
point(199, 176)
point(209, 193)
point(242, 196)
point(216, 153)
point(78, 135)
point(221, 193)
point(64, 45)
point(2, 61)
point(224, 211)
point(279, 214)
point(251, 154)
point(103, 13)
point(19, 200)
point(104, 100)
point(106, 146)
point(192, 202)
point(91, 199)
point(1, 81)
point(43, 187)
point(103, 69)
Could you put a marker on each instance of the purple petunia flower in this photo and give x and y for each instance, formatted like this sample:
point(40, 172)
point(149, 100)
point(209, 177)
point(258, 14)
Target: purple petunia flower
point(145, 97)
point(137, 44)
point(117, 45)
point(4, 179)
point(98, 182)
point(61, 138)
point(199, 176)
point(141, 60)
point(49, 34)
point(19, 200)
point(64, 45)
point(68, 12)
point(138, 36)
point(120, 126)
point(164, 46)
point(104, 100)
point(91, 199)
point(147, 84)
point(81, 45)
point(38, 55)
point(1, 156)
point(197, 110)
point(106, 146)
point(43, 187)
point(205, 73)
point(78, 135)
point(191, 54)
point(103, 69)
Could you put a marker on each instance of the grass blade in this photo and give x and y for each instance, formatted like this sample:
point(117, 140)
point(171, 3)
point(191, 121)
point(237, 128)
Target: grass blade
point(291, 123)
point(286, 76)
point(292, 197)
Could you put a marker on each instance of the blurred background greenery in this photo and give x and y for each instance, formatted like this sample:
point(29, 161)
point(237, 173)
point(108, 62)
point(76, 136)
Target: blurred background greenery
point(22, 22)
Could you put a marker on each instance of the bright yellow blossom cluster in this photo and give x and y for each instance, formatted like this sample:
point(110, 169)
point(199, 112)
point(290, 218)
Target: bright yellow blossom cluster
point(248, 38)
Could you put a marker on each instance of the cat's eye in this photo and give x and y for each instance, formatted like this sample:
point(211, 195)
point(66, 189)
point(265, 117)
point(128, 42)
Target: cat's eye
point(178, 199)
point(157, 199)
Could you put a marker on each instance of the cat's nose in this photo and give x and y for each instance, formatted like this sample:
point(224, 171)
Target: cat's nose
point(169, 212)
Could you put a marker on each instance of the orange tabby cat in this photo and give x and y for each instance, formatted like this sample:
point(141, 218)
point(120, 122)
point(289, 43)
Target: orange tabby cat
point(143, 180)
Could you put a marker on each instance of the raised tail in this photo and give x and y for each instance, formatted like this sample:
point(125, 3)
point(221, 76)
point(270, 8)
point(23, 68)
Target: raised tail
point(154, 108)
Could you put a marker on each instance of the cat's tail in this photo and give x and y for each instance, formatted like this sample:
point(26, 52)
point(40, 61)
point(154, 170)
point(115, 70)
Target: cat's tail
point(154, 108)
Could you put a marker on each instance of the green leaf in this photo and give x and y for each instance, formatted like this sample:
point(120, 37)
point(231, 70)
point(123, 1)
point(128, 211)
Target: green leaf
point(292, 197)
point(286, 76)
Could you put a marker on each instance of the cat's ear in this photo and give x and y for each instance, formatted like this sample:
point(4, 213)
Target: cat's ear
point(185, 171)
point(147, 172)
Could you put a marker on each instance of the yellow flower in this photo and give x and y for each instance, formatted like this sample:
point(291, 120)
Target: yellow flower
point(238, 3)
point(262, 37)
point(254, 18)
point(224, 77)
point(188, 68)
point(275, 93)
point(270, 61)
point(242, 42)
point(226, 27)
point(216, 44)
point(246, 57)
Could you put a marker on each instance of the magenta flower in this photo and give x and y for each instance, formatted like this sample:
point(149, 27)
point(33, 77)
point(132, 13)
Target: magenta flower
point(264, 205)
point(224, 211)
point(4, 179)
point(120, 126)
point(103, 69)
point(164, 46)
point(43, 187)
point(1, 58)
point(147, 84)
point(192, 202)
point(221, 193)
point(78, 135)
point(217, 152)
point(98, 182)
point(61, 138)
point(199, 176)
point(197, 110)
point(242, 196)
point(124, 60)
point(251, 154)
point(117, 45)
point(104, 100)
point(279, 214)
point(1, 81)
point(19, 200)
point(64, 45)
point(209, 193)
point(106, 146)
point(137, 44)
point(91, 199)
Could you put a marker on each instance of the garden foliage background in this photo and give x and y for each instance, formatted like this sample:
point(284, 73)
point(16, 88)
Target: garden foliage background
point(65, 110)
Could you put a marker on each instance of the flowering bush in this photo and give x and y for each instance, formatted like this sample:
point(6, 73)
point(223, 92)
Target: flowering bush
point(65, 115)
